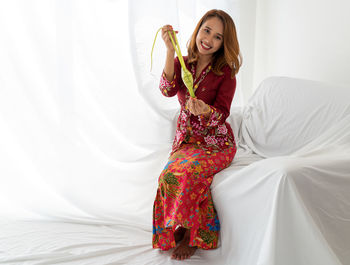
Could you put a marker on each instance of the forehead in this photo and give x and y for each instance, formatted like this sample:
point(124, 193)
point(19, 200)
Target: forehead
point(215, 24)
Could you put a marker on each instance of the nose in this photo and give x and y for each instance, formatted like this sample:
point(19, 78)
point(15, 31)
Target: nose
point(210, 39)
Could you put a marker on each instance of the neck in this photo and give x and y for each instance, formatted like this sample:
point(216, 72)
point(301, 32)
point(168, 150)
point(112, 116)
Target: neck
point(204, 59)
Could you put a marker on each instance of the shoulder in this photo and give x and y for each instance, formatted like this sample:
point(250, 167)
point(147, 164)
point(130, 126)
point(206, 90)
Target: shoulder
point(226, 70)
point(226, 73)
point(226, 80)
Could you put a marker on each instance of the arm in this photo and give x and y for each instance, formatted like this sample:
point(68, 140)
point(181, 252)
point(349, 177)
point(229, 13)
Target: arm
point(220, 110)
point(169, 82)
point(169, 66)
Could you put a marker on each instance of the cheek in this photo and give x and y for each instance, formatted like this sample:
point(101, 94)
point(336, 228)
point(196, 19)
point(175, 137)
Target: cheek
point(218, 45)
point(198, 38)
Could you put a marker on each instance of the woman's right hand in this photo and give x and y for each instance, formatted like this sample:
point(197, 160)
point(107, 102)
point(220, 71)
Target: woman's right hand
point(166, 38)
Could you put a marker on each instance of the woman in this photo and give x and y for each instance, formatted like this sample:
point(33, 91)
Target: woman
point(204, 144)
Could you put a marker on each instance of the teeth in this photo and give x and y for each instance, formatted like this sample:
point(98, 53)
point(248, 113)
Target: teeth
point(205, 46)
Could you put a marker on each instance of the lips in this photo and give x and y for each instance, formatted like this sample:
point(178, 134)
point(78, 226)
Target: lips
point(205, 47)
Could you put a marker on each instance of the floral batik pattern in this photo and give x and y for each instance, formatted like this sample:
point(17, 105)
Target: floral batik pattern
point(212, 133)
point(202, 147)
point(184, 198)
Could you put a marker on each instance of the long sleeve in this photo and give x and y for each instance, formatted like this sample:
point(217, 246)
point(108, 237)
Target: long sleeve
point(220, 110)
point(212, 133)
point(170, 89)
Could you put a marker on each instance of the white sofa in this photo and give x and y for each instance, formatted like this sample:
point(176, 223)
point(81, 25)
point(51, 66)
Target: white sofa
point(292, 206)
point(285, 199)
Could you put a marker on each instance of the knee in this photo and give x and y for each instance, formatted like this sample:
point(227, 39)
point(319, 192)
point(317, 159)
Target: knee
point(179, 178)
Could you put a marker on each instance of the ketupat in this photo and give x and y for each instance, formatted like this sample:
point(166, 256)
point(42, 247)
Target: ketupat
point(185, 74)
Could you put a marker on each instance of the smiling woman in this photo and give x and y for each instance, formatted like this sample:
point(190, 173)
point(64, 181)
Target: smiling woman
point(204, 143)
point(210, 39)
point(210, 36)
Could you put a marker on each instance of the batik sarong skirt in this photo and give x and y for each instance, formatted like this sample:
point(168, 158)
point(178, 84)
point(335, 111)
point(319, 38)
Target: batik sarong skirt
point(184, 199)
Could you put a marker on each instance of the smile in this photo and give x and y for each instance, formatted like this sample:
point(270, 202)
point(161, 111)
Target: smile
point(205, 47)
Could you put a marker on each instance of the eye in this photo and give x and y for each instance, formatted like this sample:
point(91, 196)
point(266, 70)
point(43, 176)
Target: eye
point(218, 37)
point(206, 30)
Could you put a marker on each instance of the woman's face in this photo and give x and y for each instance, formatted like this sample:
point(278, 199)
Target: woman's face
point(210, 36)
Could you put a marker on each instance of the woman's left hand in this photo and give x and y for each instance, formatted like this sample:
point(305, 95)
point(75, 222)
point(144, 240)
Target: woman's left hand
point(197, 106)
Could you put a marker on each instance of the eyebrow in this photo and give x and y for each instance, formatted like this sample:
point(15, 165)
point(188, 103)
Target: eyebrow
point(211, 29)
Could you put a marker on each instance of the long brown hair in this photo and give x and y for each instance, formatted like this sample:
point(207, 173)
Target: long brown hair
point(228, 53)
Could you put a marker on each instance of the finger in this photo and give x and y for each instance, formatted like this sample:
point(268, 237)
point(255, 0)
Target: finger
point(202, 106)
point(193, 105)
point(196, 105)
point(190, 104)
point(167, 28)
point(172, 34)
point(165, 34)
point(199, 102)
point(191, 108)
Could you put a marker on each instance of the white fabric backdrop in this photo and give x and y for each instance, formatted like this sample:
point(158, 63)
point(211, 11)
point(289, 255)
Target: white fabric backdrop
point(84, 131)
point(84, 134)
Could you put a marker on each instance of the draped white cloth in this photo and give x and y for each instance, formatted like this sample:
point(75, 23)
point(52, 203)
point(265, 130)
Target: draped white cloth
point(84, 130)
point(285, 208)
point(294, 206)
point(84, 134)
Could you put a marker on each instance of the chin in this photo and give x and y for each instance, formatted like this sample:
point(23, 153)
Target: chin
point(204, 52)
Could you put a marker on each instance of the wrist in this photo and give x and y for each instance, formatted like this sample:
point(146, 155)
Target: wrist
point(171, 52)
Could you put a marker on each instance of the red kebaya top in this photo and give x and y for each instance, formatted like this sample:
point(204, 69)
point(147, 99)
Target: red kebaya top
point(211, 134)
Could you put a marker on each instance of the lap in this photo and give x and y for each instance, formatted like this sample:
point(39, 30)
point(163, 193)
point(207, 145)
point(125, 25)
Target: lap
point(196, 163)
